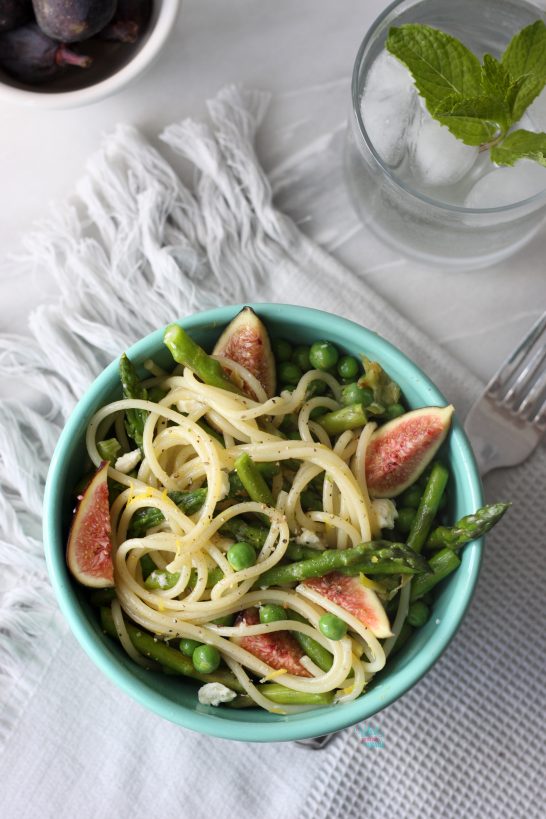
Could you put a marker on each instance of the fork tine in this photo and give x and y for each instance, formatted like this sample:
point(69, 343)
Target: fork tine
point(524, 377)
point(540, 418)
point(528, 407)
point(511, 366)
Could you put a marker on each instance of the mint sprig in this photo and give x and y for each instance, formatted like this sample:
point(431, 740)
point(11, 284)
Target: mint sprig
point(478, 102)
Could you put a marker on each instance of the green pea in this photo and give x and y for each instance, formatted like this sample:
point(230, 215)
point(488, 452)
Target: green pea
point(348, 366)
point(418, 614)
point(332, 627)
point(289, 372)
point(353, 394)
point(241, 556)
point(226, 620)
point(316, 387)
point(300, 357)
point(406, 516)
point(394, 411)
point(188, 646)
point(271, 613)
point(323, 355)
point(206, 659)
point(282, 349)
point(411, 497)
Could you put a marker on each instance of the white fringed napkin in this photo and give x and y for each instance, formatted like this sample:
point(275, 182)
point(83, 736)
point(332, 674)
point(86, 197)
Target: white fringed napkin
point(135, 250)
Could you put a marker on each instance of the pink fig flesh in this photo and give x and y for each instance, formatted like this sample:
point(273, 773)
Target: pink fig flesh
point(279, 649)
point(89, 549)
point(400, 451)
point(246, 341)
point(360, 601)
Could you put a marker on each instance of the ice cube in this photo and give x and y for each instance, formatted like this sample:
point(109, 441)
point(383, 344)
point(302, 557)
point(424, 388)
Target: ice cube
point(505, 186)
point(536, 113)
point(388, 104)
point(436, 156)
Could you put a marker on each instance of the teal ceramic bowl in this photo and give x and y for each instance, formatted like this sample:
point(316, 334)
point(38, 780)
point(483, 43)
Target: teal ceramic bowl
point(175, 698)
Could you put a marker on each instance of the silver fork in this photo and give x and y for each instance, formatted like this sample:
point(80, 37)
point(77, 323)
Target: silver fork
point(508, 420)
point(505, 424)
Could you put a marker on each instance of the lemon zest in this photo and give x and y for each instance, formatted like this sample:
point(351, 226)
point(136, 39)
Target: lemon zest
point(274, 674)
point(371, 584)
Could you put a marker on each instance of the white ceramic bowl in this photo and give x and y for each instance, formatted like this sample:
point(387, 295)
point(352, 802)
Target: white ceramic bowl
point(115, 65)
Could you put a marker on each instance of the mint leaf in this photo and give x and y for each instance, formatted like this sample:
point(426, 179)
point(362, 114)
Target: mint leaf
point(520, 145)
point(496, 79)
point(474, 120)
point(525, 60)
point(441, 65)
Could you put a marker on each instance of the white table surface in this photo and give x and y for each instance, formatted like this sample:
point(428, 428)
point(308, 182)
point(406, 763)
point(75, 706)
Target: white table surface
point(303, 52)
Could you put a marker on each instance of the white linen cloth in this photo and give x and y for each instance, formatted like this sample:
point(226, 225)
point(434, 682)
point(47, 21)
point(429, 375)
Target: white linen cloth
point(138, 249)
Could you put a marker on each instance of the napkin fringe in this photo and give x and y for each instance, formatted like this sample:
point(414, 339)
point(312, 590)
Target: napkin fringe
point(133, 250)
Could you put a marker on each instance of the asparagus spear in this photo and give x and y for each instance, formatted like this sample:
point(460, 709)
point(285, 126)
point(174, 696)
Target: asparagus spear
point(144, 519)
point(468, 528)
point(441, 564)
point(162, 653)
point(191, 502)
point(338, 421)
point(376, 557)
point(132, 388)
point(317, 653)
point(174, 661)
point(240, 530)
point(283, 696)
point(109, 450)
point(428, 507)
point(253, 480)
point(185, 351)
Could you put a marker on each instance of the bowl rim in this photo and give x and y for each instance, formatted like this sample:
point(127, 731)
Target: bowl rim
point(309, 724)
point(167, 13)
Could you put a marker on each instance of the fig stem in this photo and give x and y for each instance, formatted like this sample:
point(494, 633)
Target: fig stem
point(65, 56)
point(441, 564)
point(468, 528)
point(186, 352)
point(428, 507)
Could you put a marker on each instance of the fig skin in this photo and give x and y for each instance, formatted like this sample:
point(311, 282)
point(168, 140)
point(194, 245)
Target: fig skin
point(399, 452)
point(71, 21)
point(246, 341)
point(129, 21)
point(14, 13)
point(29, 55)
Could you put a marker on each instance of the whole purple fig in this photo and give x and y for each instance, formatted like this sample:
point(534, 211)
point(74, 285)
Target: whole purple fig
point(129, 21)
point(28, 54)
point(14, 13)
point(73, 20)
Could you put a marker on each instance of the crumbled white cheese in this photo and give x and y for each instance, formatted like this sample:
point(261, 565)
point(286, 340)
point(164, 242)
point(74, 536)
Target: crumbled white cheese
point(224, 491)
point(125, 463)
point(161, 579)
point(307, 538)
point(385, 512)
point(215, 693)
